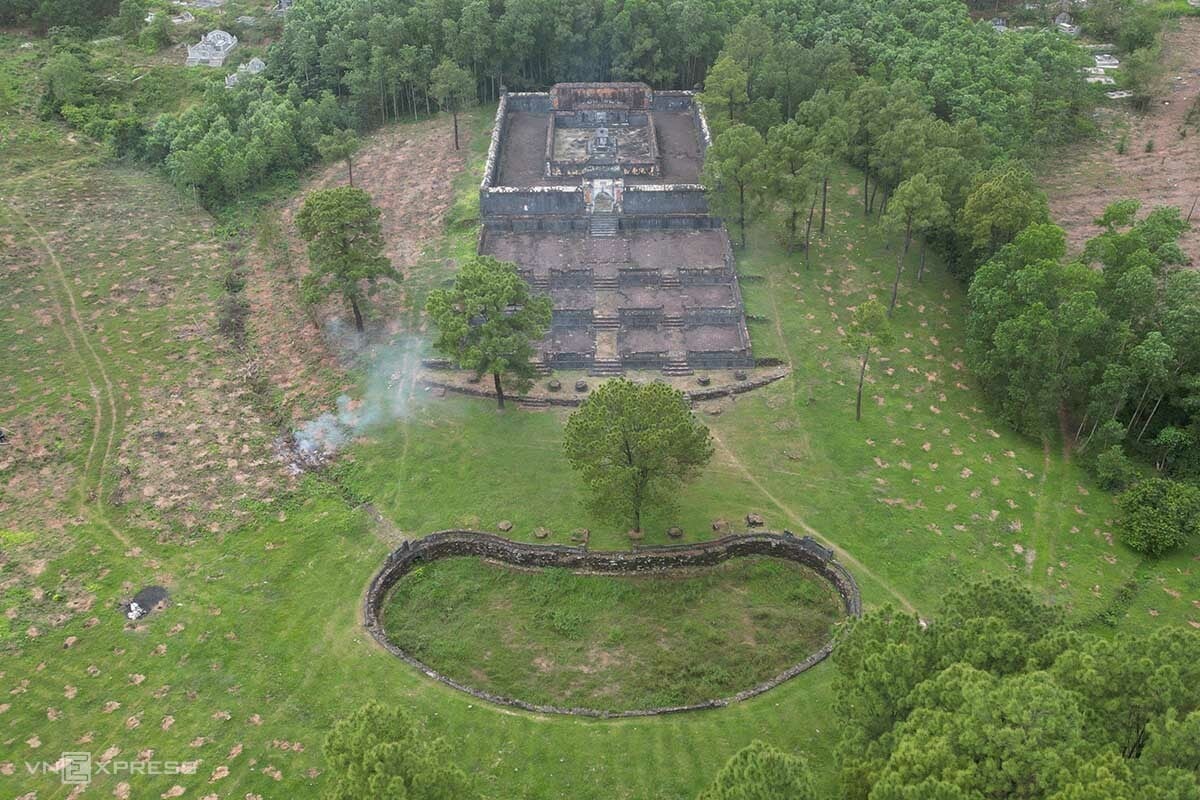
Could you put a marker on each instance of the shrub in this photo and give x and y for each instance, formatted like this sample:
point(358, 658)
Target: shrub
point(1158, 515)
point(233, 311)
point(1113, 469)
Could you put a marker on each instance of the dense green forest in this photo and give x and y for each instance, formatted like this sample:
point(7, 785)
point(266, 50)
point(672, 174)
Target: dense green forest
point(1023, 92)
point(1000, 698)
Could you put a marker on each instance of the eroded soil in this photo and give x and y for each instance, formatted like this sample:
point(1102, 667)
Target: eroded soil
point(1166, 172)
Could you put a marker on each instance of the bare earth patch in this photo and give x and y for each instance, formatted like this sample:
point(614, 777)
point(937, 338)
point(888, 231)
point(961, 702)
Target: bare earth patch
point(409, 170)
point(1167, 175)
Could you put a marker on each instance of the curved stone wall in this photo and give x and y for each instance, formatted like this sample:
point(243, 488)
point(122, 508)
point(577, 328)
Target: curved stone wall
point(642, 560)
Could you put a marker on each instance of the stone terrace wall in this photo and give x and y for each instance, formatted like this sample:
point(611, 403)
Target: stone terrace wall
point(532, 201)
point(533, 102)
point(672, 101)
point(643, 560)
point(570, 96)
point(664, 199)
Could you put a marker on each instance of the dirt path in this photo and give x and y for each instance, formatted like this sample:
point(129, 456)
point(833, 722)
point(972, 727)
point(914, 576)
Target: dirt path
point(103, 397)
point(1169, 174)
point(843, 555)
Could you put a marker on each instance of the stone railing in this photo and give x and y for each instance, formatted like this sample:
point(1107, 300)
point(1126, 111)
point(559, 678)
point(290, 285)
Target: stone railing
point(638, 276)
point(712, 315)
point(720, 359)
point(570, 277)
point(705, 276)
point(492, 165)
point(641, 560)
point(649, 317)
point(571, 318)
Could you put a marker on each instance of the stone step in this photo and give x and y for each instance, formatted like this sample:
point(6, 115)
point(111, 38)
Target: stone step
point(677, 367)
point(606, 283)
point(533, 402)
point(606, 323)
point(606, 367)
point(670, 282)
point(603, 226)
point(672, 321)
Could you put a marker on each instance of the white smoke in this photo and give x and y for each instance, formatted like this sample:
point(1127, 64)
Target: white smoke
point(389, 395)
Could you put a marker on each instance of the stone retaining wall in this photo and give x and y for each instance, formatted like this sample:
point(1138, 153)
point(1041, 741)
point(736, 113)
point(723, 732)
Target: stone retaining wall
point(641, 560)
point(584, 361)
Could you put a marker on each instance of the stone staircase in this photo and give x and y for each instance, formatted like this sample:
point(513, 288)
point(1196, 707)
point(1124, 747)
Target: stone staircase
point(603, 226)
point(677, 366)
point(533, 402)
point(539, 367)
point(606, 367)
point(669, 280)
point(604, 283)
point(673, 321)
point(540, 283)
point(606, 322)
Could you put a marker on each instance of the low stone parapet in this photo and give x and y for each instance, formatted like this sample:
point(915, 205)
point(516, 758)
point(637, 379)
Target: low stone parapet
point(640, 560)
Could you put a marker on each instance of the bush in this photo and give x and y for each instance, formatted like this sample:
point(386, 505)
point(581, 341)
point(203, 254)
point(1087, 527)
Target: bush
point(1113, 469)
point(1158, 515)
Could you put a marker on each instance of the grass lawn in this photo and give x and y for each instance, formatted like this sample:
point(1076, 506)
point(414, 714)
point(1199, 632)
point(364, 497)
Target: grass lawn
point(612, 643)
point(138, 460)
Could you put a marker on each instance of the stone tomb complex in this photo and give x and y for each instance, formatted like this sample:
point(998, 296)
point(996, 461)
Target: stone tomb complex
point(593, 189)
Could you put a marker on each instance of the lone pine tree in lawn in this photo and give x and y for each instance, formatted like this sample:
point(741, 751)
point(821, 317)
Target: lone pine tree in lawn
point(345, 248)
point(635, 445)
point(869, 329)
point(489, 321)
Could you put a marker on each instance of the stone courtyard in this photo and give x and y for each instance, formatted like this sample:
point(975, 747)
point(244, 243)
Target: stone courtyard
point(592, 190)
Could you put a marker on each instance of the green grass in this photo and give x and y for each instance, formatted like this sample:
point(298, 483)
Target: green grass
point(611, 643)
point(267, 589)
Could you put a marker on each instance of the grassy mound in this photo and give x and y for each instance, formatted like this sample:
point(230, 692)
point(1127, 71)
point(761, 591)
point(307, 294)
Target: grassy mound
point(612, 642)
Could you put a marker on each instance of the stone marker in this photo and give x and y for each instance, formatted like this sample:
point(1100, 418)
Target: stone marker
point(581, 535)
point(720, 526)
point(754, 520)
point(675, 532)
point(636, 536)
point(541, 533)
point(504, 525)
point(704, 380)
point(554, 385)
point(581, 386)
point(739, 374)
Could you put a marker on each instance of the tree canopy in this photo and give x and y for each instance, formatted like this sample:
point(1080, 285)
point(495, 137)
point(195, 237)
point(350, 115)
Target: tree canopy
point(634, 445)
point(997, 697)
point(382, 751)
point(760, 772)
point(489, 321)
point(345, 247)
